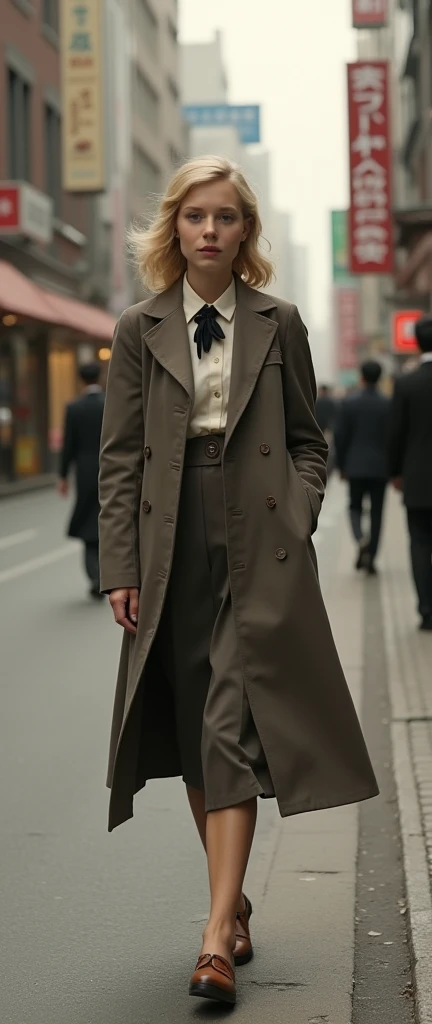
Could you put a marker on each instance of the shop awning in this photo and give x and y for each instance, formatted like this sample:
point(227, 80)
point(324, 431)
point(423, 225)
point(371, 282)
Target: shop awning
point(20, 295)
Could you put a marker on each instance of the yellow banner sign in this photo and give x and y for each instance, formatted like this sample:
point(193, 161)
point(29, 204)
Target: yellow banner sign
point(84, 167)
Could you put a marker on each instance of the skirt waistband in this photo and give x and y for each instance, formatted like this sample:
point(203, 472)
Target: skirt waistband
point(205, 451)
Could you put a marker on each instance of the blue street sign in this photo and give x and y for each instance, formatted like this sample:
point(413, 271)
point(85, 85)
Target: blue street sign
point(218, 115)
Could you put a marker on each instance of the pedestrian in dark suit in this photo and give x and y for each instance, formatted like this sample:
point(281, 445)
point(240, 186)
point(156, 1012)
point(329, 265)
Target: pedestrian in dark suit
point(361, 453)
point(325, 409)
point(411, 463)
point(82, 432)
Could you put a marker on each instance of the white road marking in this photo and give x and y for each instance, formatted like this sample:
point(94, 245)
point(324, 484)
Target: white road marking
point(37, 563)
point(17, 538)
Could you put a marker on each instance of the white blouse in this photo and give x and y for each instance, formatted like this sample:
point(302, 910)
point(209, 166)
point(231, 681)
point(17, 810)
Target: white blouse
point(212, 373)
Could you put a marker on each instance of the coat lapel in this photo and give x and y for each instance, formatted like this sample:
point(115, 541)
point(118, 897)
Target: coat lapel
point(253, 335)
point(168, 340)
point(254, 332)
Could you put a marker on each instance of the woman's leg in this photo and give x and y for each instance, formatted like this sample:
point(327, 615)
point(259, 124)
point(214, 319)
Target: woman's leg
point(229, 838)
point(197, 805)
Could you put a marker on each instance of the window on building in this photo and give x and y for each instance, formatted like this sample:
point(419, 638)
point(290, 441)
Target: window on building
point(50, 14)
point(18, 105)
point(146, 101)
point(53, 157)
point(147, 26)
point(146, 175)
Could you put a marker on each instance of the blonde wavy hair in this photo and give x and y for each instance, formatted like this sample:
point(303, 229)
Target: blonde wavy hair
point(156, 250)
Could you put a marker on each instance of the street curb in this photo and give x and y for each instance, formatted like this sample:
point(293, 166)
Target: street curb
point(416, 872)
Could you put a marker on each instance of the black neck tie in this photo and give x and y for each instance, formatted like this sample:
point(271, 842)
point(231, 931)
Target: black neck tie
point(208, 328)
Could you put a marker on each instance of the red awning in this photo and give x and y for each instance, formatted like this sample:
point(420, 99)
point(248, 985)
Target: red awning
point(20, 295)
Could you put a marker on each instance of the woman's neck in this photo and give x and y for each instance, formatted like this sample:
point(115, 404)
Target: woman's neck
point(209, 287)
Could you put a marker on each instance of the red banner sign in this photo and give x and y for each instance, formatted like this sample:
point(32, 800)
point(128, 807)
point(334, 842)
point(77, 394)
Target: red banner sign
point(9, 208)
point(369, 13)
point(371, 232)
point(347, 316)
point(403, 326)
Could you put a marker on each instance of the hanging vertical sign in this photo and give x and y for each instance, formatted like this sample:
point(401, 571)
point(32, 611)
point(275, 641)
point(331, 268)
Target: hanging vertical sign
point(369, 13)
point(370, 218)
point(84, 167)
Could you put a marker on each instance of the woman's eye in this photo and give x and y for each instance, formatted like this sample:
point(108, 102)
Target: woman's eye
point(195, 217)
point(227, 218)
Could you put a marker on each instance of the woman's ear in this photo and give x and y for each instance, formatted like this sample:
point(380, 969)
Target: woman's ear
point(247, 228)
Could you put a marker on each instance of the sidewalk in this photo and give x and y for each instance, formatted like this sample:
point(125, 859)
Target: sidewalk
point(409, 658)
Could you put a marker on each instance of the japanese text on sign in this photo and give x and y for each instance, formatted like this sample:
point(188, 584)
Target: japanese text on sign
point(83, 122)
point(347, 316)
point(370, 169)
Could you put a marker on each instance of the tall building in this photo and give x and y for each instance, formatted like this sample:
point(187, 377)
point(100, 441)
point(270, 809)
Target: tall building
point(45, 251)
point(406, 42)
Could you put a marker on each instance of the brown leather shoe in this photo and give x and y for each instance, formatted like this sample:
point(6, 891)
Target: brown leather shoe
point(213, 978)
point(243, 950)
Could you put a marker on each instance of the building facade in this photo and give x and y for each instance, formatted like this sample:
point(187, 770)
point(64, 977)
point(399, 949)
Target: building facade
point(406, 42)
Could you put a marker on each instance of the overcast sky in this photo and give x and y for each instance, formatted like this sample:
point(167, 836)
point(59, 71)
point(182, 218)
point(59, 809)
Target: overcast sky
point(289, 56)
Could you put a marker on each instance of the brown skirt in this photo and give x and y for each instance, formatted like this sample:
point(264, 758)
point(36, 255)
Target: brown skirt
point(220, 749)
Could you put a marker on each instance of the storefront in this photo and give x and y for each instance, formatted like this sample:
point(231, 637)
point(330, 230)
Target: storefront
point(44, 337)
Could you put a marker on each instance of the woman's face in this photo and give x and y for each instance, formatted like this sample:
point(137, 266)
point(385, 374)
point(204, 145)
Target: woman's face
point(211, 226)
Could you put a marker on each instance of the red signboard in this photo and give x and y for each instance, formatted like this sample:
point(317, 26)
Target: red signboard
point(9, 208)
point(369, 13)
point(347, 316)
point(370, 220)
point(403, 324)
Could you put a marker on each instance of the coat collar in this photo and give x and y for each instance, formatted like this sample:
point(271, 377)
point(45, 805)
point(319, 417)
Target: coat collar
point(162, 305)
point(254, 331)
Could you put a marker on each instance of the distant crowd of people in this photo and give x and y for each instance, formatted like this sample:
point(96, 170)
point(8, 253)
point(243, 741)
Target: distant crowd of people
point(374, 440)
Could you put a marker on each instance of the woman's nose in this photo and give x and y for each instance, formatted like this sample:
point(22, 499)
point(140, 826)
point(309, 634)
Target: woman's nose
point(210, 227)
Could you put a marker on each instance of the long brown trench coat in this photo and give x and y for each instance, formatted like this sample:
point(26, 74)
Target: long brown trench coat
point(273, 447)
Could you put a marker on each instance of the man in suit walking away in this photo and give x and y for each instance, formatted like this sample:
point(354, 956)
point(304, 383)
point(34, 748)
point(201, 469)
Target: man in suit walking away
point(361, 439)
point(82, 431)
point(411, 463)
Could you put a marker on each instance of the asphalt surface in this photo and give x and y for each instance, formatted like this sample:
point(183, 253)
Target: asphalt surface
point(105, 929)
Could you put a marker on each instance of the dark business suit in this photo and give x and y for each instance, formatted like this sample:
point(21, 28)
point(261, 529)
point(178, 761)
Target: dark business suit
point(410, 457)
point(82, 432)
point(361, 454)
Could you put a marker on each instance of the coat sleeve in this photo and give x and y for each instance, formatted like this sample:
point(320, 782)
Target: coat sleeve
point(121, 461)
point(304, 439)
point(397, 430)
point(68, 454)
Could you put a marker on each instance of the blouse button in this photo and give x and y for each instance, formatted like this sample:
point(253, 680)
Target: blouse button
point(281, 554)
point(217, 394)
point(216, 360)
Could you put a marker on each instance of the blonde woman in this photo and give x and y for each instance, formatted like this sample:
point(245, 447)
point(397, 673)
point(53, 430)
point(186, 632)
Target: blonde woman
point(212, 476)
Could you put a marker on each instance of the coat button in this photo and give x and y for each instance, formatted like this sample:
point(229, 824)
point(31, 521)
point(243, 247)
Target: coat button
point(271, 501)
point(212, 449)
point(281, 554)
point(146, 506)
point(265, 449)
point(147, 451)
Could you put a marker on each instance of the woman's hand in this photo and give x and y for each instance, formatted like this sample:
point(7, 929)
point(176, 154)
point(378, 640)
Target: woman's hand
point(125, 604)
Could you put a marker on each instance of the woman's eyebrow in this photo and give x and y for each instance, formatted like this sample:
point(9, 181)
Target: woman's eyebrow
point(222, 209)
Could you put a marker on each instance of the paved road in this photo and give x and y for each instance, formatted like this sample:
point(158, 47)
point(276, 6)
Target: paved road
point(104, 929)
